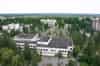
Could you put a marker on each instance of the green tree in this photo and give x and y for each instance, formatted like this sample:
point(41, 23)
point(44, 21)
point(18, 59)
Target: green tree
point(6, 56)
point(35, 57)
point(7, 42)
point(27, 54)
point(60, 23)
point(97, 60)
point(83, 64)
point(78, 38)
point(76, 50)
point(89, 53)
point(72, 63)
point(17, 60)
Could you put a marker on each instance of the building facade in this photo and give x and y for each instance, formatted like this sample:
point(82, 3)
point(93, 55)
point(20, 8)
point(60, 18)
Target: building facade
point(96, 23)
point(12, 26)
point(46, 46)
point(50, 22)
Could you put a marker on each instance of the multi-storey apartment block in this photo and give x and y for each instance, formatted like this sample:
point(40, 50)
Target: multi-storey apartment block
point(45, 45)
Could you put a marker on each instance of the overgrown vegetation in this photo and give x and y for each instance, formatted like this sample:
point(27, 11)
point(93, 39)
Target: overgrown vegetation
point(89, 56)
point(10, 55)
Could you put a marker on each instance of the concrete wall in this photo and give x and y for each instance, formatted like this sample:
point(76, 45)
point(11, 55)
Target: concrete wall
point(53, 51)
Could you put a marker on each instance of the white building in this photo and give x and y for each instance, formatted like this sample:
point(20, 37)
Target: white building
point(12, 26)
point(47, 46)
point(2, 17)
point(96, 23)
point(50, 22)
point(28, 26)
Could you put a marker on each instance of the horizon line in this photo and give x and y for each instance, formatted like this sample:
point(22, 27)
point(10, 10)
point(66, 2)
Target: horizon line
point(49, 14)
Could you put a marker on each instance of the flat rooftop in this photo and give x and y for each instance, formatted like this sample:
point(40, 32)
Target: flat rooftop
point(25, 36)
point(44, 39)
point(57, 43)
point(34, 42)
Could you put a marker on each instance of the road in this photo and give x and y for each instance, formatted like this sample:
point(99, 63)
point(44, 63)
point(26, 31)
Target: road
point(53, 60)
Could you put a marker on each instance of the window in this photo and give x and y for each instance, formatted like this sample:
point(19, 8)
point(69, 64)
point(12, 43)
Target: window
point(45, 49)
point(65, 51)
point(53, 50)
point(70, 48)
point(31, 45)
point(62, 51)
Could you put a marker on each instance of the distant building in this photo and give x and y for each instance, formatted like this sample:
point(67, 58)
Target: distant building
point(96, 23)
point(12, 26)
point(46, 46)
point(2, 18)
point(50, 22)
point(28, 27)
point(67, 26)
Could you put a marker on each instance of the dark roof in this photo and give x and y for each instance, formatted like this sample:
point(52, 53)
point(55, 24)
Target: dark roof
point(58, 43)
point(44, 38)
point(26, 42)
point(26, 36)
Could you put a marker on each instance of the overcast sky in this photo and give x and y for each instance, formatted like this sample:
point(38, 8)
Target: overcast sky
point(50, 6)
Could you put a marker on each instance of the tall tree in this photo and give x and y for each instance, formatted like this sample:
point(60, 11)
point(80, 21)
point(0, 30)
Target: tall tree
point(27, 54)
point(6, 56)
point(7, 42)
point(72, 63)
point(35, 57)
point(17, 60)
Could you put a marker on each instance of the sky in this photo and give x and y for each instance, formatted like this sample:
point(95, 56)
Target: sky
point(50, 6)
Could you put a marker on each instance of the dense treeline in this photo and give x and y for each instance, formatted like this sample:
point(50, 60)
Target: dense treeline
point(89, 57)
point(10, 55)
point(87, 49)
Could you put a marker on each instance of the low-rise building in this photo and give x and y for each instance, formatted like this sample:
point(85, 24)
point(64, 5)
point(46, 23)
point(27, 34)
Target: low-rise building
point(96, 23)
point(46, 46)
point(15, 27)
point(12, 26)
point(50, 22)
